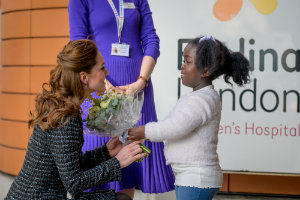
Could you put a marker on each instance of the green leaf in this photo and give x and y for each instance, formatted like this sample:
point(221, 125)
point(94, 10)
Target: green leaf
point(115, 102)
point(102, 115)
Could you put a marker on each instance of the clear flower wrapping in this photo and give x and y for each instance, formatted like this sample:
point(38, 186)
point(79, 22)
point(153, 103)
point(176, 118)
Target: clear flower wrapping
point(112, 114)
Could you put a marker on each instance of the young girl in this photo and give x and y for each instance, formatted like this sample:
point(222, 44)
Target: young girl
point(54, 163)
point(191, 128)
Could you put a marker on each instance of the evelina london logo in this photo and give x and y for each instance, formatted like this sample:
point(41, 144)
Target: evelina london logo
point(225, 10)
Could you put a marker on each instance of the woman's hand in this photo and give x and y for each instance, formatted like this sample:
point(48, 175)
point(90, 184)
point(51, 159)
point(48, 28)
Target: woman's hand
point(118, 90)
point(114, 146)
point(133, 87)
point(109, 86)
point(130, 153)
point(137, 133)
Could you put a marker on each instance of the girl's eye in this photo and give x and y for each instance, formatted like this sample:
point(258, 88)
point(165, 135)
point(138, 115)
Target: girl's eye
point(187, 62)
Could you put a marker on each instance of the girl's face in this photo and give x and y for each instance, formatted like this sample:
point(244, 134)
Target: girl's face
point(95, 80)
point(190, 76)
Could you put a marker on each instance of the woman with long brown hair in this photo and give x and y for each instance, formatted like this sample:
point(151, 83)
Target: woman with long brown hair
point(54, 163)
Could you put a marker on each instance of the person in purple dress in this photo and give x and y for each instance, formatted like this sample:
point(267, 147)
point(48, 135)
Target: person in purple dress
point(126, 37)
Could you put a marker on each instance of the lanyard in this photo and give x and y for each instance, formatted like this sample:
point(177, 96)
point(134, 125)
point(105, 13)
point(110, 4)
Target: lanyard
point(119, 18)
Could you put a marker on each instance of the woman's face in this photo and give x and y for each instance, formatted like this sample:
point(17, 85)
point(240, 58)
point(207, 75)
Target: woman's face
point(97, 76)
point(190, 76)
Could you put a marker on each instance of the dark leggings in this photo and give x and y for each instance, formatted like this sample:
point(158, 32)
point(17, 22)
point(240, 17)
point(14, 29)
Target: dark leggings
point(122, 196)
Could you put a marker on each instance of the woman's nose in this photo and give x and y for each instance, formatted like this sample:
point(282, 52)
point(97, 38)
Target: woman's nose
point(106, 72)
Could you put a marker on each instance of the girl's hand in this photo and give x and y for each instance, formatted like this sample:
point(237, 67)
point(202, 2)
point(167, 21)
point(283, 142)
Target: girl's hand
point(130, 153)
point(114, 146)
point(137, 133)
point(133, 87)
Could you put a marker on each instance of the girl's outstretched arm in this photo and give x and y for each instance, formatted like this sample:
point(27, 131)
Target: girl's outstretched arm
point(137, 133)
point(190, 112)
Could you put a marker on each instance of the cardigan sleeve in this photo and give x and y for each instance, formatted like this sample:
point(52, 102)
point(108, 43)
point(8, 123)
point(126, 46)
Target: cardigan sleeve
point(78, 19)
point(148, 36)
point(65, 144)
point(188, 114)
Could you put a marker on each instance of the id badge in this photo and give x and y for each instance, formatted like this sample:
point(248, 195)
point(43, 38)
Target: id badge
point(129, 5)
point(120, 49)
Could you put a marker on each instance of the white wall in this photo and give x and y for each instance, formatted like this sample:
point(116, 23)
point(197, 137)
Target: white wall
point(249, 150)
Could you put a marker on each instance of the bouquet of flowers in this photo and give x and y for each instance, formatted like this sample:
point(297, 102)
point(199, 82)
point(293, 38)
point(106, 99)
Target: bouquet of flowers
point(112, 114)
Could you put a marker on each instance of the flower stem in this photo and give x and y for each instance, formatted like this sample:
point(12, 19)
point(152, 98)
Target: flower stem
point(145, 150)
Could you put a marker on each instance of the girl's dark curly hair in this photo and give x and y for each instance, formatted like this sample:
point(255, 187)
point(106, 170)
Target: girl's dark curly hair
point(219, 60)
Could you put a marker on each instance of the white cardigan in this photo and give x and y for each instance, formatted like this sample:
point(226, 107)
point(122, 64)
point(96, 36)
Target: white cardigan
point(191, 129)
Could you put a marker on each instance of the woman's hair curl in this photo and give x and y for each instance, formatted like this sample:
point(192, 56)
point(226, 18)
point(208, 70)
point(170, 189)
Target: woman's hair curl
point(60, 98)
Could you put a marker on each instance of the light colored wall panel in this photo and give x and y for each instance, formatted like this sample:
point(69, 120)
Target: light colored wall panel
point(14, 79)
point(15, 25)
point(14, 134)
point(12, 5)
point(39, 75)
point(225, 183)
point(50, 22)
point(267, 184)
point(49, 4)
point(11, 160)
point(1, 75)
point(32, 103)
point(44, 50)
point(14, 107)
point(15, 52)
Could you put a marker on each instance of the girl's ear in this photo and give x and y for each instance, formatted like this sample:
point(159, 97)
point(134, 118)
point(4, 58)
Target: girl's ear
point(83, 78)
point(206, 72)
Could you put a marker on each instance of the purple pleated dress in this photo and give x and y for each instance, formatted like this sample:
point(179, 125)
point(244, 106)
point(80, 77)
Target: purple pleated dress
point(95, 18)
